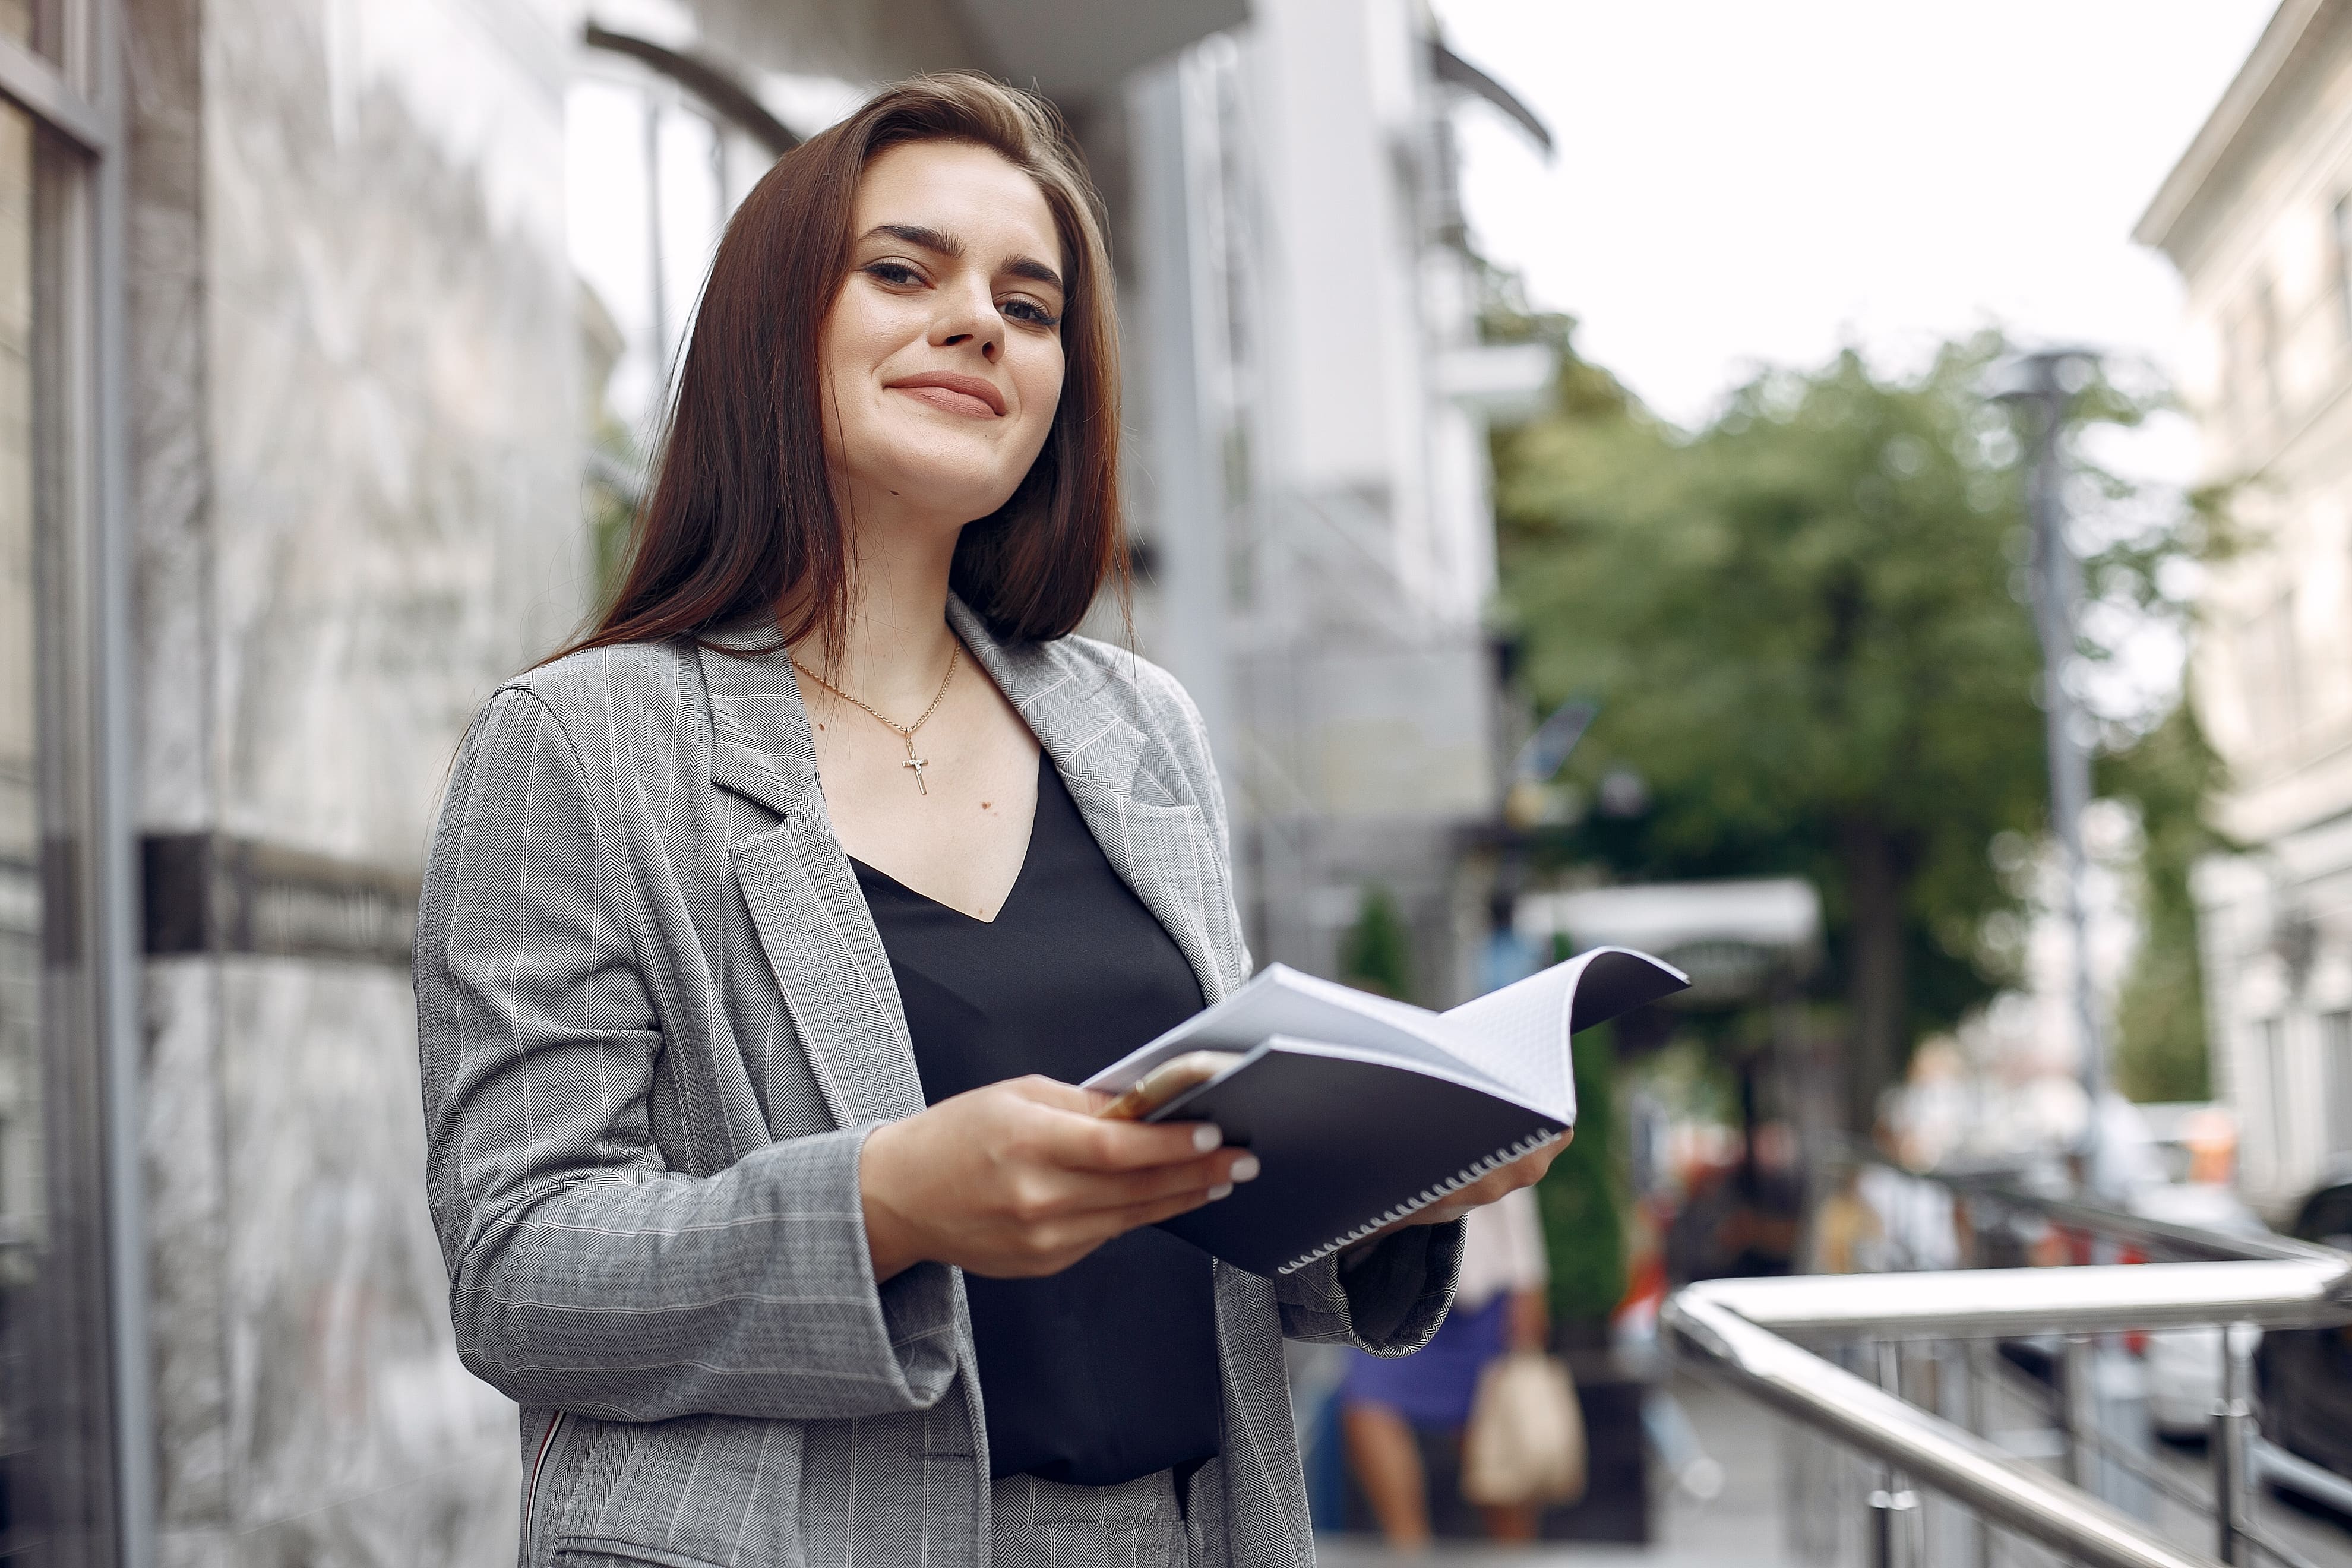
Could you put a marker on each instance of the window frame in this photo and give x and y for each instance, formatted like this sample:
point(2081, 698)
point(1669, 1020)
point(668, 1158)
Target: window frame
point(68, 81)
point(2339, 231)
point(2335, 1077)
point(2274, 1050)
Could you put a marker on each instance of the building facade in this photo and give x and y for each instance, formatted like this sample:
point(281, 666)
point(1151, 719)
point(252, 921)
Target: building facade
point(2258, 219)
point(329, 331)
point(1319, 514)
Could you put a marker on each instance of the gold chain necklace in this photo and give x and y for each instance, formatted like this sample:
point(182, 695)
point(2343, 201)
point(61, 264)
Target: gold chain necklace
point(904, 731)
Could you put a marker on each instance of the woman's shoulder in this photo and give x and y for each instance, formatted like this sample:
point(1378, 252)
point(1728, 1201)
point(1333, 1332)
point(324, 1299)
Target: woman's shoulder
point(633, 692)
point(1153, 700)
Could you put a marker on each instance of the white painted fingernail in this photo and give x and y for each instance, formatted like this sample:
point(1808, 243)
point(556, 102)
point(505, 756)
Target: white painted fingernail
point(1244, 1169)
point(1208, 1135)
point(1222, 1190)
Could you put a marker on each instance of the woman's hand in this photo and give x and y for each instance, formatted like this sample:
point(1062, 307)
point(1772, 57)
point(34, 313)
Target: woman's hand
point(1523, 1171)
point(1021, 1178)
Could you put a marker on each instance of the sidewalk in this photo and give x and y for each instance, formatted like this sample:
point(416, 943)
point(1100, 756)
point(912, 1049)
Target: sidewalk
point(1740, 1529)
point(1746, 1526)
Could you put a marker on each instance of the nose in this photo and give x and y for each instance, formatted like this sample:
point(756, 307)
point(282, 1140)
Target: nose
point(969, 319)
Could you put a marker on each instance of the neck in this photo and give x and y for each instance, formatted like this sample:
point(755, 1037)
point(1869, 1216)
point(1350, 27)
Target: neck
point(895, 642)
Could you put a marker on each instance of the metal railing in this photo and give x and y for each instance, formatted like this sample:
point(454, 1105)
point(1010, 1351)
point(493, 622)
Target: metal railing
point(1746, 1331)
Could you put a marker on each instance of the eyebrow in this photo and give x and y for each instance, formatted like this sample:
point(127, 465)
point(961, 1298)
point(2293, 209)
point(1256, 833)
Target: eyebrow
point(942, 243)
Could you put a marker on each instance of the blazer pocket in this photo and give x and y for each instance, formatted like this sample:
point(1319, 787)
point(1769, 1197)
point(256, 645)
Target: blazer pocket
point(593, 1551)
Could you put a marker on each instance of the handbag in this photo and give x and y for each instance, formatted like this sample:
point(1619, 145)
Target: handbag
point(1525, 1443)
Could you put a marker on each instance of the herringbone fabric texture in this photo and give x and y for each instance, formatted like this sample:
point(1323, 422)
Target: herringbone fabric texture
point(657, 1024)
point(1043, 1524)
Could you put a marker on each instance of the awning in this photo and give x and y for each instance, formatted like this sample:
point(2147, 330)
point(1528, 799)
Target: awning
point(1073, 51)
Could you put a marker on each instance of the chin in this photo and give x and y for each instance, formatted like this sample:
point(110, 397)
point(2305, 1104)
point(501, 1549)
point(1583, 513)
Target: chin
point(961, 483)
point(960, 496)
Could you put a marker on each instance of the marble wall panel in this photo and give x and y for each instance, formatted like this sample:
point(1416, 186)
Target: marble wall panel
point(353, 1435)
point(171, 553)
point(185, 1155)
point(356, 495)
point(391, 408)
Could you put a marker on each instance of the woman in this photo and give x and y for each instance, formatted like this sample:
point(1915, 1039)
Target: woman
point(1499, 1305)
point(766, 931)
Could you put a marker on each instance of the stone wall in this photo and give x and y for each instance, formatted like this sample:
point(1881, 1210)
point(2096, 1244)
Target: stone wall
point(356, 449)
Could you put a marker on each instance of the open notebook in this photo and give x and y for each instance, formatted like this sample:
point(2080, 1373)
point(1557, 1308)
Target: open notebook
point(1362, 1110)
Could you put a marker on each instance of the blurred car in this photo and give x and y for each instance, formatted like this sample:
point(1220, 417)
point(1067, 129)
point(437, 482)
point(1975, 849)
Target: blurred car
point(2184, 1365)
point(2305, 1375)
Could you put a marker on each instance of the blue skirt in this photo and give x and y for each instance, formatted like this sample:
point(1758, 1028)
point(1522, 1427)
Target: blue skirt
point(1434, 1386)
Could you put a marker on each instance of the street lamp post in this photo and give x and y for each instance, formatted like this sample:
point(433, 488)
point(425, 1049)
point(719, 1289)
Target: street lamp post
point(2046, 388)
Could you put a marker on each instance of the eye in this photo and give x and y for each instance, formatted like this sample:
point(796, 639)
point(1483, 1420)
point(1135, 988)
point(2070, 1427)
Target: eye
point(894, 274)
point(1028, 312)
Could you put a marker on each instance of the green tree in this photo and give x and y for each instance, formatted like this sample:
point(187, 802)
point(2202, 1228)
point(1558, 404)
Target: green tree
point(2160, 1033)
point(610, 498)
point(1805, 627)
point(1376, 952)
point(1582, 1196)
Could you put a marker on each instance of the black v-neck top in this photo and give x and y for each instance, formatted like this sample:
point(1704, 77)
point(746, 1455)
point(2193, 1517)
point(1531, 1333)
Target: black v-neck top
point(1106, 1371)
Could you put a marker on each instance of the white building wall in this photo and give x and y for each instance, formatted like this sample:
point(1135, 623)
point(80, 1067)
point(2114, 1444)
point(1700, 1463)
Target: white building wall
point(1325, 566)
point(2257, 221)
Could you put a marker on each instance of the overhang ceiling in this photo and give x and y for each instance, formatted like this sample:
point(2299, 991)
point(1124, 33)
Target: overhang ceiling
point(1073, 51)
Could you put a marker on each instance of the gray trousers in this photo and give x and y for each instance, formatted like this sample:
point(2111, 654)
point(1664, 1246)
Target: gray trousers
point(1044, 1525)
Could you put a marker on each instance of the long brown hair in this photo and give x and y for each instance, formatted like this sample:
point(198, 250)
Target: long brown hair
point(740, 519)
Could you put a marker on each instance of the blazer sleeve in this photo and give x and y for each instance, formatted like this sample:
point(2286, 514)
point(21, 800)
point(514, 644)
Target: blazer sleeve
point(1386, 1295)
point(583, 1273)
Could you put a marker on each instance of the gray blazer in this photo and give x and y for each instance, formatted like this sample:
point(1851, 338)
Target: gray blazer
point(656, 1025)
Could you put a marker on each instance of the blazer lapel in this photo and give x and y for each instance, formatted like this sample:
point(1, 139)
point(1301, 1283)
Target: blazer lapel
point(803, 898)
point(1160, 845)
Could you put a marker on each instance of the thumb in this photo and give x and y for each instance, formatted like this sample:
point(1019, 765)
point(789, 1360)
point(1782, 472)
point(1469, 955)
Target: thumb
point(1039, 1090)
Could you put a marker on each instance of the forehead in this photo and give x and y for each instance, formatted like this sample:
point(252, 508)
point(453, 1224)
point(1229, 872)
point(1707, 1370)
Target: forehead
point(963, 189)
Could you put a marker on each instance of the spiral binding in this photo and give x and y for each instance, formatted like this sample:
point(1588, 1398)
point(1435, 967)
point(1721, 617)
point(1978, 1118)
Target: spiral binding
point(1493, 1162)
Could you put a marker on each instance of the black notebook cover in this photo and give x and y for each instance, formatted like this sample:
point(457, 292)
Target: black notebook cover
point(1350, 1137)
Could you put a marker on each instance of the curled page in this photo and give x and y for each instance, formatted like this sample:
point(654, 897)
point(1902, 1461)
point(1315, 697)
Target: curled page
point(1519, 1035)
point(1364, 1111)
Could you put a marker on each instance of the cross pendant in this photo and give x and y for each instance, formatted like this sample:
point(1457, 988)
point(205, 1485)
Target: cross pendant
point(919, 764)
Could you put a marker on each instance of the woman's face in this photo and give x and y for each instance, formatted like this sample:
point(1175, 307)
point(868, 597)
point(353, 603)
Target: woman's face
point(943, 355)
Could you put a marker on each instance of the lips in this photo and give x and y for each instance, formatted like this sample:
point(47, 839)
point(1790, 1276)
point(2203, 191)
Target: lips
point(953, 394)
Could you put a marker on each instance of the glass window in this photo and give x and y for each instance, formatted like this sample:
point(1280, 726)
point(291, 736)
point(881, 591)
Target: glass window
point(55, 1464)
point(2342, 228)
point(17, 21)
point(2273, 1035)
point(2267, 345)
point(2335, 1054)
point(2270, 647)
point(21, 1200)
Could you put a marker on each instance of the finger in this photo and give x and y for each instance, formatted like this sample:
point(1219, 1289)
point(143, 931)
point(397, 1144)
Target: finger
point(1137, 1215)
point(1523, 1171)
point(1519, 1173)
point(1040, 1089)
point(1484, 1190)
point(1087, 1143)
point(1075, 1236)
point(1108, 1192)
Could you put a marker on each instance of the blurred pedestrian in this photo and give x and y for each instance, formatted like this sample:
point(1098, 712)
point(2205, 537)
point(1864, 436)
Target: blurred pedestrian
point(766, 932)
point(1848, 1237)
point(1388, 1407)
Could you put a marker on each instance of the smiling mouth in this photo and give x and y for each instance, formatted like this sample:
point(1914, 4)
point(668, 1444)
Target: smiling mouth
point(950, 400)
point(951, 393)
